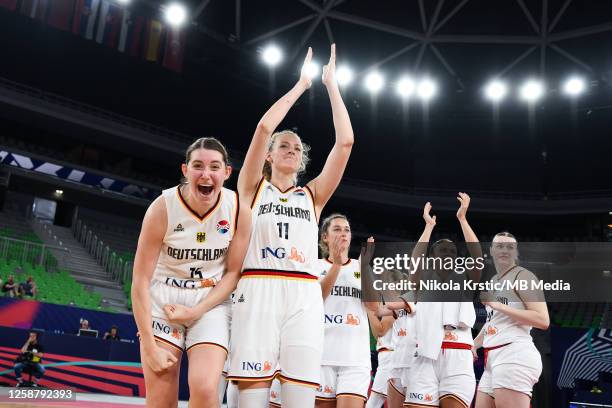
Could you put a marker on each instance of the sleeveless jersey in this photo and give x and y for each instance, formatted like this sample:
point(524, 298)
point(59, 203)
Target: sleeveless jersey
point(194, 246)
point(501, 328)
point(347, 336)
point(404, 339)
point(284, 232)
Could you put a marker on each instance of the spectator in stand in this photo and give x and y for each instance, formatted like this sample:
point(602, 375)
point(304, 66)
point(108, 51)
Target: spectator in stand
point(28, 288)
point(113, 334)
point(30, 360)
point(10, 287)
point(84, 325)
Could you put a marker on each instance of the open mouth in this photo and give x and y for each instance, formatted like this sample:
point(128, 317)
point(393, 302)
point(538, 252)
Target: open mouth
point(205, 190)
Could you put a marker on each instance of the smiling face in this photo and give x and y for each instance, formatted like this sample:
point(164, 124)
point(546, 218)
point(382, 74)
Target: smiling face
point(504, 251)
point(205, 173)
point(286, 154)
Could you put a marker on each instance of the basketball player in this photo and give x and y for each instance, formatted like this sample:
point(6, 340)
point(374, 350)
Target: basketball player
point(277, 320)
point(442, 372)
point(346, 365)
point(404, 346)
point(381, 329)
point(188, 261)
point(512, 363)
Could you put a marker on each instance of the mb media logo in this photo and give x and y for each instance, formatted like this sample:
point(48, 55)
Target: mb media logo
point(201, 237)
point(179, 228)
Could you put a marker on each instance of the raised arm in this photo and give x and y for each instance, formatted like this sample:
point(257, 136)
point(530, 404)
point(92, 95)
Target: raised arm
point(421, 246)
point(180, 314)
point(471, 239)
point(154, 227)
point(250, 173)
point(326, 183)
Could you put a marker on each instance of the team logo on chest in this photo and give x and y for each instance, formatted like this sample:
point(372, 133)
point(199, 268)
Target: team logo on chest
point(201, 237)
point(283, 199)
point(357, 274)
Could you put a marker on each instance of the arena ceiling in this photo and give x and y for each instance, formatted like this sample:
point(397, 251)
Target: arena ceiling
point(461, 44)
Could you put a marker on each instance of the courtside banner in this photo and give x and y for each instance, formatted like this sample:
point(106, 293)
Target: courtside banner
point(444, 271)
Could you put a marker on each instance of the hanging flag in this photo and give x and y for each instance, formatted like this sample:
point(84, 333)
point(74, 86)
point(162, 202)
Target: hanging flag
point(109, 25)
point(174, 50)
point(9, 4)
point(60, 14)
point(153, 36)
point(131, 34)
point(36, 9)
point(85, 13)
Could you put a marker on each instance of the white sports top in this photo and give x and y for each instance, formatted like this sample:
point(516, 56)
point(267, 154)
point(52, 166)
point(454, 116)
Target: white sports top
point(285, 232)
point(500, 328)
point(347, 336)
point(404, 339)
point(194, 247)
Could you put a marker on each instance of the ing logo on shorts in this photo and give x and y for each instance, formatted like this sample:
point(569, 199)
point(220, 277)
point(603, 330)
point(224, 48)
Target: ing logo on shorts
point(273, 394)
point(256, 366)
point(328, 390)
point(421, 397)
point(176, 334)
point(401, 333)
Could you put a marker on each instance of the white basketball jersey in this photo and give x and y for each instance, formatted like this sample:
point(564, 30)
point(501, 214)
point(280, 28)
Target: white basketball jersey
point(285, 231)
point(500, 328)
point(347, 336)
point(195, 245)
point(404, 335)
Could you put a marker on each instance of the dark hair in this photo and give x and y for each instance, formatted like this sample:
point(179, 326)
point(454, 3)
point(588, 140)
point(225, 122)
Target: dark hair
point(208, 143)
point(438, 243)
point(324, 227)
point(267, 168)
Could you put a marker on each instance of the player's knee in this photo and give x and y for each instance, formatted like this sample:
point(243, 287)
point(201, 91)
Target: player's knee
point(204, 387)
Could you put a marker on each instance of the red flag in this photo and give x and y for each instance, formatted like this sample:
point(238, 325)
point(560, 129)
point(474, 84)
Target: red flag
point(9, 4)
point(174, 50)
point(60, 14)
